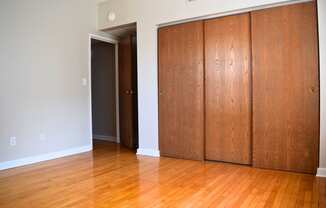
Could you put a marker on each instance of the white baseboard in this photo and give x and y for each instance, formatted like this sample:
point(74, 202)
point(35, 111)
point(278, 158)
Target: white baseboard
point(44, 157)
point(105, 138)
point(321, 172)
point(148, 152)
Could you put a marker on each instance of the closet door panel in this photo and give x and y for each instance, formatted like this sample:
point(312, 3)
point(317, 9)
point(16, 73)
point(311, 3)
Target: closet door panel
point(181, 89)
point(285, 88)
point(227, 84)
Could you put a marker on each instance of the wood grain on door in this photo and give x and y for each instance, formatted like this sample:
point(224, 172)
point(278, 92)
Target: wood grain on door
point(285, 88)
point(228, 89)
point(181, 91)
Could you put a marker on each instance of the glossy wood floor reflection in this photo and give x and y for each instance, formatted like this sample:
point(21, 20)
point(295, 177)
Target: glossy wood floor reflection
point(112, 176)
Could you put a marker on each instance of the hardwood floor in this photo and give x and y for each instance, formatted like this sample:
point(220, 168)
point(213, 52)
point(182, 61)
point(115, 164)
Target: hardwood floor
point(112, 176)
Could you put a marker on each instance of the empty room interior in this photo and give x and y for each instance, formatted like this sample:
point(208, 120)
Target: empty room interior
point(165, 103)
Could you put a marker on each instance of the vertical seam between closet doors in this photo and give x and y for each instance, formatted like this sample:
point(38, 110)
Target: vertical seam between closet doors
point(204, 88)
point(251, 93)
point(317, 154)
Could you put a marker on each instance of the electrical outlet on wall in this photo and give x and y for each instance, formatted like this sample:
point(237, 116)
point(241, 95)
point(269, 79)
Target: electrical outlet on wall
point(13, 141)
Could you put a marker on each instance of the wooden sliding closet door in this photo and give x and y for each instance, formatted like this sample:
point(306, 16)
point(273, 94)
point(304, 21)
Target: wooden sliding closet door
point(227, 84)
point(285, 88)
point(181, 100)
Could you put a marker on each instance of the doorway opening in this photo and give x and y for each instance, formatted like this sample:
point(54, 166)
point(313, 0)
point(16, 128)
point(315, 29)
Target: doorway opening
point(114, 90)
point(104, 99)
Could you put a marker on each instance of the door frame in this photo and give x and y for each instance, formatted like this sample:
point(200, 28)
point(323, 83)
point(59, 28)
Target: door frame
point(116, 46)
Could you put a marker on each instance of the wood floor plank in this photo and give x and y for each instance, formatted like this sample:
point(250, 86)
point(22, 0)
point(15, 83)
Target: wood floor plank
point(112, 176)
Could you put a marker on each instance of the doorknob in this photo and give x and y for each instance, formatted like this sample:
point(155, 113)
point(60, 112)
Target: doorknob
point(130, 92)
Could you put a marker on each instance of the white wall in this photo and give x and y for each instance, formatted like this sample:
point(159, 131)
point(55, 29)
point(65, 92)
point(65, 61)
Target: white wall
point(322, 55)
point(149, 14)
point(43, 57)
